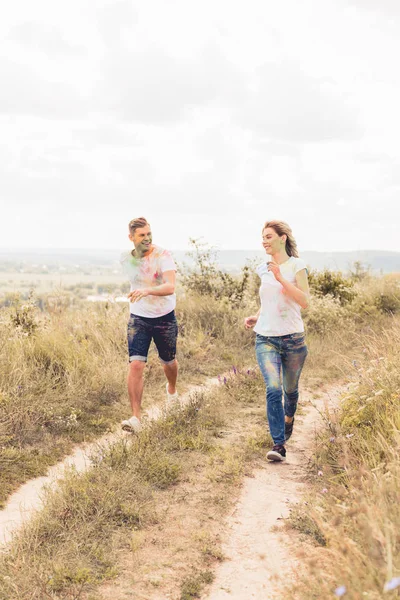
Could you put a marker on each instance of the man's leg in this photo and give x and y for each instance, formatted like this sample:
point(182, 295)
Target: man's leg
point(135, 385)
point(139, 339)
point(171, 373)
point(165, 336)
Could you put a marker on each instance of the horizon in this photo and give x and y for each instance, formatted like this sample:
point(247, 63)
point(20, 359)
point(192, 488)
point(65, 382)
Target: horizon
point(188, 249)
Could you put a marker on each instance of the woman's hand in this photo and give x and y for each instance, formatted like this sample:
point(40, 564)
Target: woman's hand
point(275, 270)
point(249, 322)
point(136, 295)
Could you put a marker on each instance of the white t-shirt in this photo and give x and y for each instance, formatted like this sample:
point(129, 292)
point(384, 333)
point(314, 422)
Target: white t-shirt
point(147, 272)
point(279, 315)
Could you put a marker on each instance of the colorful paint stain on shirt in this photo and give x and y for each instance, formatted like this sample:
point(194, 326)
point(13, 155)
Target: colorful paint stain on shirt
point(147, 272)
point(280, 314)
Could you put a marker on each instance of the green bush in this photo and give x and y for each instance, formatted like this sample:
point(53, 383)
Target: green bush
point(332, 283)
point(206, 279)
point(323, 314)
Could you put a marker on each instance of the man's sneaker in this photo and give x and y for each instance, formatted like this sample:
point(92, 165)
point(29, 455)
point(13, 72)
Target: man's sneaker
point(133, 425)
point(278, 453)
point(288, 429)
point(171, 397)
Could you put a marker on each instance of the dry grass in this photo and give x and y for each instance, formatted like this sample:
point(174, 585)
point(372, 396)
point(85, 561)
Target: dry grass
point(355, 504)
point(63, 380)
point(201, 450)
point(63, 375)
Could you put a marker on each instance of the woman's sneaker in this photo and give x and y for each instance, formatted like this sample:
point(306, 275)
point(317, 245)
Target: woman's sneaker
point(278, 453)
point(288, 429)
point(133, 425)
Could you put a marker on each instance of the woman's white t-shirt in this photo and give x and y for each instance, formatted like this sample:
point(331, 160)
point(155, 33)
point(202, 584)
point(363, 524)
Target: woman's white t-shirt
point(148, 272)
point(279, 314)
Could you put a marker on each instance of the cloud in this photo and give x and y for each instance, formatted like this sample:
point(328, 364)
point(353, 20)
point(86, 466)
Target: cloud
point(390, 7)
point(151, 86)
point(113, 18)
point(46, 38)
point(26, 92)
point(290, 105)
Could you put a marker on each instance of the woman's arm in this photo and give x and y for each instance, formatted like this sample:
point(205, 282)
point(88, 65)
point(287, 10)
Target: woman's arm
point(300, 292)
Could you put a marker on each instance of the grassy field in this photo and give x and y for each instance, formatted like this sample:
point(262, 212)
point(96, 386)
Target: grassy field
point(63, 381)
point(353, 509)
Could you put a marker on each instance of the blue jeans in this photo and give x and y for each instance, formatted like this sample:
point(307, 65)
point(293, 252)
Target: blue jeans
point(277, 354)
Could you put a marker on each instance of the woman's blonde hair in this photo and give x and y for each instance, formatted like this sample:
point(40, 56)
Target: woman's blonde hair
point(282, 228)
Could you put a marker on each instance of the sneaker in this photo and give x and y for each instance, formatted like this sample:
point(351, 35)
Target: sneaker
point(288, 429)
point(278, 453)
point(133, 425)
point(171, 397)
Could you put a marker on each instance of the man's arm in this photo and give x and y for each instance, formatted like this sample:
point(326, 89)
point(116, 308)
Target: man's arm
point(166, 288)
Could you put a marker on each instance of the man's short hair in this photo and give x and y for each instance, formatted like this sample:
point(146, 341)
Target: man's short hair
point(137, 224)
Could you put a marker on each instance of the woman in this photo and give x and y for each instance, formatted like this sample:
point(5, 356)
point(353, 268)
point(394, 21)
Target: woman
point(280, 345)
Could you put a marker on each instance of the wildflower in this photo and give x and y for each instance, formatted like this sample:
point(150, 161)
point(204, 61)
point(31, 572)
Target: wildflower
point(392, 584)
point(248, 371)
point(320, 473)
point(219, 378)
point(332, 439)
point(234, 370)
point(224, 380)
point(340, 591)
point(324, 490)
point(349, 435)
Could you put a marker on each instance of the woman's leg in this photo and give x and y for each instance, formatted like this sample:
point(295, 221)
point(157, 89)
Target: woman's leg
point(293, 358)
point(269, 361)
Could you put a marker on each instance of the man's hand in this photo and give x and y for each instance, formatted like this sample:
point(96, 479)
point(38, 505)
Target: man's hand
point(249, 322)
point(275, 270)
point(136, 295)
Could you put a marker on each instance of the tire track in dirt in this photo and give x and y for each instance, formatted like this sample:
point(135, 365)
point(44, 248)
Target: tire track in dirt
point(259, 552)
point(29, 498)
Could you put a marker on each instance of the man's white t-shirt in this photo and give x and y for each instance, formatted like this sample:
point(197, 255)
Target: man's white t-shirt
point(279, 315)
point(147, 272)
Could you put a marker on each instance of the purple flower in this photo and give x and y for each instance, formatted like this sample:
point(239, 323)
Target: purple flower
point(320, 473)
point(219, 378)
point(248, 371)
point(234, 370)
point(324, 491)
point(392, 584)
point(224, 379)
point(340, 591)
point(332, 439)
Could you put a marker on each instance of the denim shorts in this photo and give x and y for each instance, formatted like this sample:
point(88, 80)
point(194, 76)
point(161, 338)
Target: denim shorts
point(163, 330)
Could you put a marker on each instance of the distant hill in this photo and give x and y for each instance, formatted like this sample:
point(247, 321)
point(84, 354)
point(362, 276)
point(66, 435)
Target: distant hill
point(231, 260)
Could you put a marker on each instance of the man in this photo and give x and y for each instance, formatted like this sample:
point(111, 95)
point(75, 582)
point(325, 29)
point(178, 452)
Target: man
point(151, 272)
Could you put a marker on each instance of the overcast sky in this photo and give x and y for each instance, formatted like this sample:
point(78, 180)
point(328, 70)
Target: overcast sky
point(208, 118)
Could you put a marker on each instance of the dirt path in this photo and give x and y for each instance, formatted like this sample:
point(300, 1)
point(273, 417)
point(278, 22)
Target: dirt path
point(28, 499)
point(258, 551)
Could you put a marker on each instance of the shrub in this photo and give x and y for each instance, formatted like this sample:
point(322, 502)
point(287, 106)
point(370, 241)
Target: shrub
point(332, 283)
point(206, 279)
point(377, 295)
point(323, 314)
point(24, 315)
